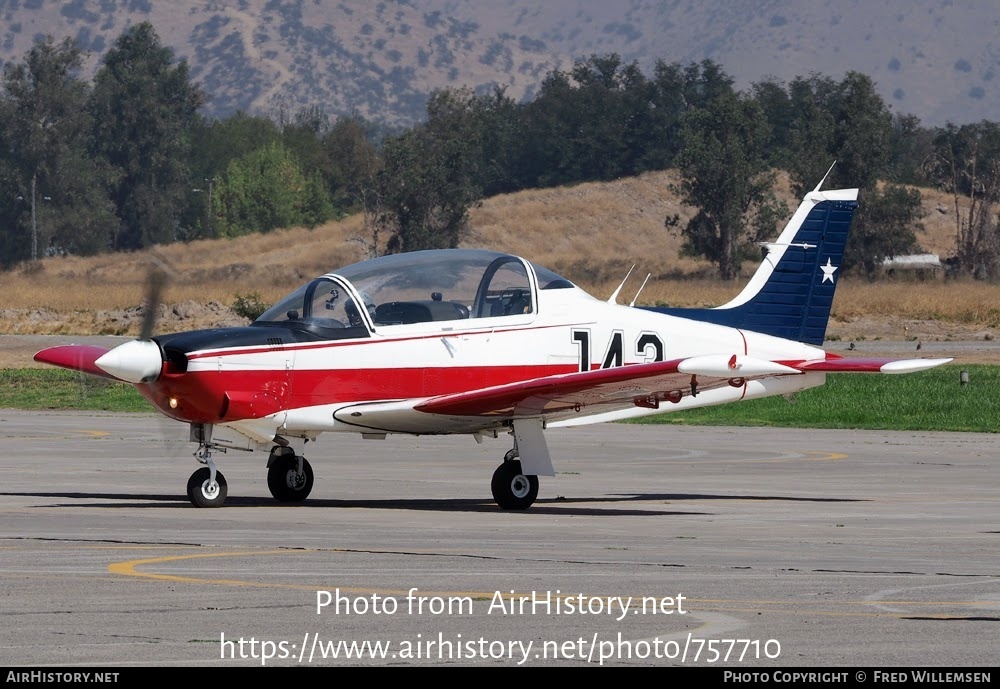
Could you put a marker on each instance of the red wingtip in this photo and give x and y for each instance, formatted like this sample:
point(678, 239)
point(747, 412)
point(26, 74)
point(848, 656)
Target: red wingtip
point(76, 358)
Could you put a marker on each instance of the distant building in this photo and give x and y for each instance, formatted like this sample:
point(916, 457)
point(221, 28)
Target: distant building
point(917, 266)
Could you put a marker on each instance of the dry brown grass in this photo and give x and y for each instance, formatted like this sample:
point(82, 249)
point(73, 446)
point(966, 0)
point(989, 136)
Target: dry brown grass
point(202, 271)
point(592, 233)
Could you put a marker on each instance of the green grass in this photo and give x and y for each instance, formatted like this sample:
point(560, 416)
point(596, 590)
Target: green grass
point(34, 388)
point(926, 401)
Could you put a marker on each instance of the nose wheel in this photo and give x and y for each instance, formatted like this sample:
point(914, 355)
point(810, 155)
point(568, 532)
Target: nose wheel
point(207, 486)
point(512, 489)
point(203, 491)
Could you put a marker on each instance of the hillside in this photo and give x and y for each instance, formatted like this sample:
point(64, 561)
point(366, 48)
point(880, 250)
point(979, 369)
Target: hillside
point(936, 59)
point(591, 233)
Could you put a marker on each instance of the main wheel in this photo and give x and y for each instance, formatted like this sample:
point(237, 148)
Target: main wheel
point(203, 493)
point(286, 482)
point(513, 490)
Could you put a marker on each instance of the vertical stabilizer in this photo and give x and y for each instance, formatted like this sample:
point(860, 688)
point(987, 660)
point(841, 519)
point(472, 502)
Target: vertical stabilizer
point(791, 293)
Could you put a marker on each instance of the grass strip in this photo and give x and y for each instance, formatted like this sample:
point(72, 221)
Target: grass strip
point(931, 400)
point(43, 388)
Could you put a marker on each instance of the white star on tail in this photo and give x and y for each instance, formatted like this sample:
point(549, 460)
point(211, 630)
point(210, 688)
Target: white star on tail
point(828, 271)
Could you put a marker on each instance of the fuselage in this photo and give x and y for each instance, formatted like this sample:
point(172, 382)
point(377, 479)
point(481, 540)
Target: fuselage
point(271, 370)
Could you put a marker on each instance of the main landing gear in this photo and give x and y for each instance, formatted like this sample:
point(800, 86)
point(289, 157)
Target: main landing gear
point(512, 489)
point(289, 476)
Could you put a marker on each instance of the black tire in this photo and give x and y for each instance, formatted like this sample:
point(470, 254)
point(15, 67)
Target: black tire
point(199, 493)
point(286, 483)
point(513, 490)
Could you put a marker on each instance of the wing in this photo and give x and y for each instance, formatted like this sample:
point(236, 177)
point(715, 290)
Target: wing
point(597, 391)
point(577, 397)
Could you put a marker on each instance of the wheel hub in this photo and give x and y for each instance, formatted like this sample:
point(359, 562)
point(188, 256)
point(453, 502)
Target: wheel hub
point(295, 480)
point(519, 486)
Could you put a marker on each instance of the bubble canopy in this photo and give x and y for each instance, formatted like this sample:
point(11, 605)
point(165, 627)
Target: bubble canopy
point(416, 287)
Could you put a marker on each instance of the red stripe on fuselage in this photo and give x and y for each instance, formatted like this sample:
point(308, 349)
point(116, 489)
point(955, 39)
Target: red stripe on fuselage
point(200, 395)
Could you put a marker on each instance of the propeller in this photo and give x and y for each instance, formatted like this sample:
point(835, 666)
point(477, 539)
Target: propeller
point(140, 360)
point(134, 361)
point(156, 281)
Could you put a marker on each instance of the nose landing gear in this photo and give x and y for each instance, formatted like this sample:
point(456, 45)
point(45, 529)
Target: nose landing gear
point(205, 491)
point(207, 486)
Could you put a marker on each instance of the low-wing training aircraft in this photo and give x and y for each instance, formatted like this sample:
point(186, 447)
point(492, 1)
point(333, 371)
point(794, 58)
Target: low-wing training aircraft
point(468, 341)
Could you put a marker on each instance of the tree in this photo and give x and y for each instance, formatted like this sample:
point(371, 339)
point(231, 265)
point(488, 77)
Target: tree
point(595, 122)
point(966, 162)
point(657, 106)
point(501, 141)
point(215, 144)
point(864, 125)
point(812, 131)
point(887, 228)
point(144, 107)
point(431, 175)
point(611, 106)
point(725, 174)
point(776, 104)
point(910, 144)
point(265, 190)
point(847, 122)
point(353, 161)
point(303, 135)
point(549, 124)
point(57, 204)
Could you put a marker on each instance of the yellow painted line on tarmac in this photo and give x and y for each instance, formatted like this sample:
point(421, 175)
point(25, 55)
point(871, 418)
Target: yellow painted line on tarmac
point(823, 456)
point(866, 603)
point(93, 434)
point(819, 457)
point(131, 546)
point(128, 568)
point(88, 433)
point(835, 613)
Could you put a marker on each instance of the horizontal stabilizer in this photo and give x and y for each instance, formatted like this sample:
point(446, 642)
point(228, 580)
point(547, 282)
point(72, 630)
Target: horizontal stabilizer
point(859, 365)
point(76, 358)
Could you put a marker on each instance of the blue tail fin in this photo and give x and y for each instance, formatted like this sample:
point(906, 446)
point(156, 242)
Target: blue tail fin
point(791, 293)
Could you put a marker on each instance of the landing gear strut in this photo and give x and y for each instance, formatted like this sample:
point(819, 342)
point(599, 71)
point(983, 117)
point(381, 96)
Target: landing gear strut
point(289, 476)
point(207, 486)
point(512, 489)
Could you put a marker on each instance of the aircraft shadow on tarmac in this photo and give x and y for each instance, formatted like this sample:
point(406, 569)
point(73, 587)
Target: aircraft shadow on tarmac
point(559, 505)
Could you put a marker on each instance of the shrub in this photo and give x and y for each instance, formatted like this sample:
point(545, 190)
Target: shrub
point(249, 306)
